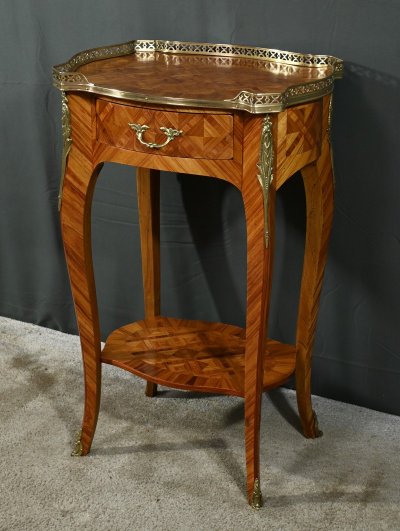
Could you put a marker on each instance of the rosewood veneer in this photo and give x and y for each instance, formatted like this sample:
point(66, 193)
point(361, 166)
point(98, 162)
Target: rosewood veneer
point(250, 116)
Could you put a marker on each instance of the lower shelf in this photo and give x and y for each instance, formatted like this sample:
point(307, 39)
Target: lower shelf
point(194, 355)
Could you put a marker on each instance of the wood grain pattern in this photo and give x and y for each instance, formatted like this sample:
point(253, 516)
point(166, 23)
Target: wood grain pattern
point(195, 355)
point(229, 170)
point(197, 77)
point(318, 185)
point(259, 269)
point(79, 182)
point(204, 135)
point(299, 139)
point(148, 195)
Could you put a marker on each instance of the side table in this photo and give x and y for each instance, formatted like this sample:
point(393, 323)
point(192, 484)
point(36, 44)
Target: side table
point(250, 116)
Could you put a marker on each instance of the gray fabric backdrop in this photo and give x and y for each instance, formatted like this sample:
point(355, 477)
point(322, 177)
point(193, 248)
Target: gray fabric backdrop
point(357, 350)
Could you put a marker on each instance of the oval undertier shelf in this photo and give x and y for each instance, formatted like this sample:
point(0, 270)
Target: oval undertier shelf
point(194, 355)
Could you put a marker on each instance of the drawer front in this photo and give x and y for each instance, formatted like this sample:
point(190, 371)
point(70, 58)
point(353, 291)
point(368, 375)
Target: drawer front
point(203, 135)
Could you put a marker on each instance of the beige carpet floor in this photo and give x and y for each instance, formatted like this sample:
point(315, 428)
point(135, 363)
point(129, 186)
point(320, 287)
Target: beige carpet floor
point(176, 462)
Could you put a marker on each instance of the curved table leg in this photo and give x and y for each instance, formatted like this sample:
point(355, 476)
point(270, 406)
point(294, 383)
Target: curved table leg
point(79, 182)
point(259, 265)
point(148, 194)
point(318, 185)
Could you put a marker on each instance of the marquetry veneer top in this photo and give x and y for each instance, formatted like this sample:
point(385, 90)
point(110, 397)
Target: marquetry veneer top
point(257, 80)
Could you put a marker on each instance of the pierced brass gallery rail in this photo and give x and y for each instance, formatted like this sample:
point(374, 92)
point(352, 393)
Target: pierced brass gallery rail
point(66, 77)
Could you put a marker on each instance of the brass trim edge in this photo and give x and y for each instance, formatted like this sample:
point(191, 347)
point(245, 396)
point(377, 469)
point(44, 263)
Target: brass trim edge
point(67, 141)
point(257, 500)
point(265, 165)
point(65, 76)
point(329, 127)
point(270, 102)
point(329, 136)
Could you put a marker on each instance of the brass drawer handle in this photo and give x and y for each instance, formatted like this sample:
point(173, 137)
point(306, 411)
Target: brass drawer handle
point(140, 129)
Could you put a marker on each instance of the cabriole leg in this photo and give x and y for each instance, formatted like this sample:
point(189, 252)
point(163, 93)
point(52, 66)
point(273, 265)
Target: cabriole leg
point(259, 202)
point(318, 185)
point(76, 199)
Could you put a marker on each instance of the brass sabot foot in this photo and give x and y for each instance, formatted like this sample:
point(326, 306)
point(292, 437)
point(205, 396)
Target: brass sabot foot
point(77, 451)
point(257, 500)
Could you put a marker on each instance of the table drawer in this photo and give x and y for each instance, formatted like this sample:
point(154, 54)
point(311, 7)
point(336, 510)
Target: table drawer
point(197, 135)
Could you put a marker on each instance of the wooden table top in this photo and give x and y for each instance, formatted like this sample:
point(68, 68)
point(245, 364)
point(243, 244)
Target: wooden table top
point(256, 80)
